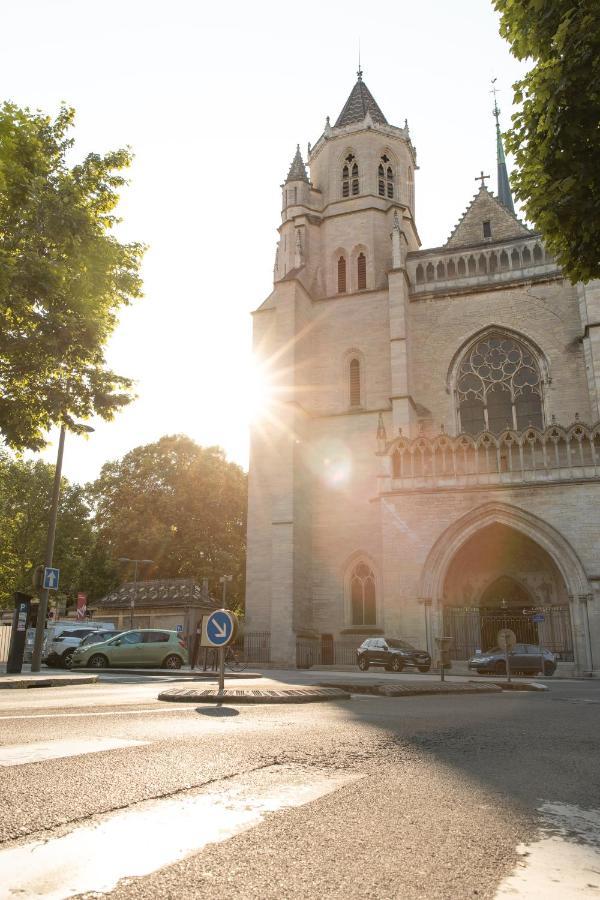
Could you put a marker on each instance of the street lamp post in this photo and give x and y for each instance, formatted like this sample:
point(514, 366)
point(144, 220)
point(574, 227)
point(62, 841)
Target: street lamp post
point(224, 579)
point(36, 658)
point(136, 563)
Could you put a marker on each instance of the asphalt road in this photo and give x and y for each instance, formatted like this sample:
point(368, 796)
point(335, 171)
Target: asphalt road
point(416, 797)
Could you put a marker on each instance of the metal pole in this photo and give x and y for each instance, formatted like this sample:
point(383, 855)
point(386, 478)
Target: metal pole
point(221, 669)
point(224, 591)
point(507, 657)
point(36, 659)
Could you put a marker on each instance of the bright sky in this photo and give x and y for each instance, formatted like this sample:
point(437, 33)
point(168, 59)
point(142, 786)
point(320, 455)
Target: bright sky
point(213, 98)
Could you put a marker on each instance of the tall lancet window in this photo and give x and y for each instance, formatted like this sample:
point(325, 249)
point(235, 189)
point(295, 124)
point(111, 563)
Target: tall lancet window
point(362, 595)
point(389, 177)
point(354, 179)
point(354, 372)
point(345, 182)
point(499, 386)
point(381, 180)
point(341, 275)
point(361, 271)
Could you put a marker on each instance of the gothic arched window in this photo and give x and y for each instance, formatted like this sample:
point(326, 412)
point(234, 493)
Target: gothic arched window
point(499, 386)
point(390, 182)
point(381, 180)
point(361, 271)
point(385, 178)
point(350, 182)
point(354, 378)
point(341, 275)
point(362, 595)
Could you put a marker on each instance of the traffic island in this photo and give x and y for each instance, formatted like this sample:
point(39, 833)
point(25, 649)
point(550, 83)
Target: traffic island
point(413, 688)
point(254, 695)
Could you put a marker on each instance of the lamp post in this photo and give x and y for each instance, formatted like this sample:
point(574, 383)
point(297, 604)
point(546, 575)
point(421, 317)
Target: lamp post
point(136, 563)
point(36, 658)
point(224, 579)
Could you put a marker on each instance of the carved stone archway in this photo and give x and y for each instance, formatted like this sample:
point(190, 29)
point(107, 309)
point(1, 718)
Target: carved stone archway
point(548, 538)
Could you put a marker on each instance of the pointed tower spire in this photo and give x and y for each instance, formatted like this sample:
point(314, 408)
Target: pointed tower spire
point(360, 102)
point(297, 169)
point(504, 192)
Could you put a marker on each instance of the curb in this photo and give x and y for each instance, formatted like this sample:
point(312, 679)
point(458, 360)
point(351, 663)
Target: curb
point(518, 685)
point(180, 673)
point(413, 689)
point(250, 695)
point(45, 682)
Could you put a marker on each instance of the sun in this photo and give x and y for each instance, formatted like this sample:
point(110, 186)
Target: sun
point(257, 391)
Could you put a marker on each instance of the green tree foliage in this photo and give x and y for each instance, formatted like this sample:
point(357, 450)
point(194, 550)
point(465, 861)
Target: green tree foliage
point(556, 133)
point(179, 504)
point(63, 277)
point(25, 491)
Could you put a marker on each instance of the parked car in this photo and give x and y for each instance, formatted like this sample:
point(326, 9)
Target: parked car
point(524, 658)
point(140, 648)
point(98, 637)
point(392, 654)
point(64, 637)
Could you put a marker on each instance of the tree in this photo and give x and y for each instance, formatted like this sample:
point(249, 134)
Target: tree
point(555, 136)
point(25, 490)
point(179, 504)
point(63, 277)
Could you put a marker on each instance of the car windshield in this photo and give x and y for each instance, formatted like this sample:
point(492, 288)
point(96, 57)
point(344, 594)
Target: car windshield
point(399, 645)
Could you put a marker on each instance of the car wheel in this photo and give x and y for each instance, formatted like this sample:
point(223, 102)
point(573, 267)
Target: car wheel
point(397, 665)
point(363, 664)
point(97, 661)
point(67, 660)
point(424, 668)
point(500, 668)
point(482, 671)
point(549, 670)
point(172, 662)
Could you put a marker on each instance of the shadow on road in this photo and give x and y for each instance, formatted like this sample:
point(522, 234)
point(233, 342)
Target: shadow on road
point(217, 711)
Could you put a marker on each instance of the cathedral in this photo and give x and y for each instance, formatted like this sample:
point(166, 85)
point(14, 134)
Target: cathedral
point(430, 462)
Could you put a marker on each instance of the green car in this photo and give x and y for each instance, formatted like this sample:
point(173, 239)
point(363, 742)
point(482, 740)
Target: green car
point(144, 647)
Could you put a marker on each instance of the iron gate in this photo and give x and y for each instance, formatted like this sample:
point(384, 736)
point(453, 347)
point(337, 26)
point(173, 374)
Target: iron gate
point(474, 629)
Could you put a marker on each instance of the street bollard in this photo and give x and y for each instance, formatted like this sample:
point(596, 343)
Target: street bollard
point(443, 645)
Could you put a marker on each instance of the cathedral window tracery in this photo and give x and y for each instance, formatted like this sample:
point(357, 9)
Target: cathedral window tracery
point(498, 386)
point(362, 595)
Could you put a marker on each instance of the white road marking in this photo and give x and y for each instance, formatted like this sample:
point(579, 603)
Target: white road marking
point(564, 862)
point(156, 833)
point(23, 754)
point(124, 712)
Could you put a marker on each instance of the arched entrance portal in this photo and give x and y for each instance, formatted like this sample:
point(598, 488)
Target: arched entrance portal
point(497, 579)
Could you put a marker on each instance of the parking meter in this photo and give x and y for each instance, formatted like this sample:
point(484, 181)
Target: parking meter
point(20, 622)
point(443, 645)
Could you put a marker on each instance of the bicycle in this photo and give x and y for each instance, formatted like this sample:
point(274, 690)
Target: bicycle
point(235, 660)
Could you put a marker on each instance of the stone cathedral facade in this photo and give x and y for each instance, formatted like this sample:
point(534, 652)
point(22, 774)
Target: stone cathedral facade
point(430, 463)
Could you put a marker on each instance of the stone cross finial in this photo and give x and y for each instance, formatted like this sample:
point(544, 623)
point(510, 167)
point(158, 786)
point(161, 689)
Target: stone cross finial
point(482, 178)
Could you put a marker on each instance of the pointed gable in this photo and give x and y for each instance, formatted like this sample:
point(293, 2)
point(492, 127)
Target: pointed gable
point(484, 207)
point(359, 103)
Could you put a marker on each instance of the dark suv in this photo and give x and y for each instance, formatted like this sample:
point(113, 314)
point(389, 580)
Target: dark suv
point(392, 654)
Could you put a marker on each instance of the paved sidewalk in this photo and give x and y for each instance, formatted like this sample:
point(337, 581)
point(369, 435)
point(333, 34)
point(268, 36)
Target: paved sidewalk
point(43, 679)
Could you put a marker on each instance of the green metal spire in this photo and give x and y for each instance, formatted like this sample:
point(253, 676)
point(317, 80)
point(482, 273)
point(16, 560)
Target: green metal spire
point(504, 192)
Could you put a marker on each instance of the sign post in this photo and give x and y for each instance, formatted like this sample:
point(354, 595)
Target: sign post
point(538, 618)
point(219, 630)
point(506, 641)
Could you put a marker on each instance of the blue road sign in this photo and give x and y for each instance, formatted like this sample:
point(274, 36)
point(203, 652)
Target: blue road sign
point(220, 627)
point(51, 578)
point(538, 617)
point(179, 628)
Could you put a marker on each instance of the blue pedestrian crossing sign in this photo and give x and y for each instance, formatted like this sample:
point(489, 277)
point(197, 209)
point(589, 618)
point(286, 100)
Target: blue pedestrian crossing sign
point(219, 628)
point(51, 578)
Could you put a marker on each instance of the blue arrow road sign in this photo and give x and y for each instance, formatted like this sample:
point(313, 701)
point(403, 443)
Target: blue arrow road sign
point(51, 577)
point(220, 627)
